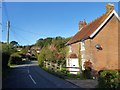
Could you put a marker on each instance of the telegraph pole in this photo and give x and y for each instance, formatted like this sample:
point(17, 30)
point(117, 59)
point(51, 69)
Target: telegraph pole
point(8, 28)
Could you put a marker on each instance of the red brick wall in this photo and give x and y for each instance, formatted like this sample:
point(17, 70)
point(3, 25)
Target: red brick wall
point(75, 48)
point(119, 45)
point(107, 58)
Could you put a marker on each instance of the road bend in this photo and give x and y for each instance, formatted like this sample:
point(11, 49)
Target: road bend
point(30, 75)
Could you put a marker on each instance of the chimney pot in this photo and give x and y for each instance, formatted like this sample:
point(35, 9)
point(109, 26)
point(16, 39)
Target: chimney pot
point(109, 7)
point(82, 24)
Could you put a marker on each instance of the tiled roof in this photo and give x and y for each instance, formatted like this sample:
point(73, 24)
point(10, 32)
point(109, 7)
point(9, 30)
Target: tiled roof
point(88, 29)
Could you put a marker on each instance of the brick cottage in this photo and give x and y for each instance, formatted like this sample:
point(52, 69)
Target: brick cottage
point(96, 42)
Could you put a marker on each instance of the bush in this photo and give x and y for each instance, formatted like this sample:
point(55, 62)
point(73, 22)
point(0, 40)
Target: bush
point(63, 70)
point(109, 79)
point(5, 59)
point(58, 73)
point(87, 72)
point(42, 57)
point(6, 52)
point(15, 59)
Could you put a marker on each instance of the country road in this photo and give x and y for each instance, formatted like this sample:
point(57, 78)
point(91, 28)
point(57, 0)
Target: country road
point(30, 75)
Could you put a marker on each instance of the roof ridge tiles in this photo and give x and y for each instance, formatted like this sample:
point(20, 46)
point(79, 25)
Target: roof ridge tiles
point(89, 28)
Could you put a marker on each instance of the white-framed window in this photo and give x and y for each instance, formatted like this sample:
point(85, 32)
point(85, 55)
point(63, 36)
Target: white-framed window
point(70, 48)
point(82, 45)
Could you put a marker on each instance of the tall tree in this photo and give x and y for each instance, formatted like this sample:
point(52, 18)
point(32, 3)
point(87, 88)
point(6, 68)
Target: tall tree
point(14, 43)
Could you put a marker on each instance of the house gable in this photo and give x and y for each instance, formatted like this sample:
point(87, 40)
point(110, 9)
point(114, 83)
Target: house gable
point(91, 29)
point(107, 58)
point(102, 31)
point(106, 20)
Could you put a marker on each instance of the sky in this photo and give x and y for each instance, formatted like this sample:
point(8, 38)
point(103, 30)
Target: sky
point(30, 21)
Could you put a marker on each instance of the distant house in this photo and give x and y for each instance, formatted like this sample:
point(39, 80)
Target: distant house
point(34, 49)
point(19, 49)
point(97, 42)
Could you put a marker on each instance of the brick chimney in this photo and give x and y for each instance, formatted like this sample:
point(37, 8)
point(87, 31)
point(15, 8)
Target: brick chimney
point(82, 24)
point(109, 7)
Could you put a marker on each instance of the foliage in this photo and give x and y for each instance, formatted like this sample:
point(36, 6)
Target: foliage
point(8, 49)
point(25, 49)
point(6, 52)
point(109, 79)
point(40, 43)
point(43, 42)
point(72, 75)
point(62, 74)
point(15, 59)
point(33, 57)
point(54, 50)
point(58, 73)
point(5, 58)
point(47, 41)
point(87, 65)
point(58, 41)
point(42, 57)
point(87, 72)
point(14, 43)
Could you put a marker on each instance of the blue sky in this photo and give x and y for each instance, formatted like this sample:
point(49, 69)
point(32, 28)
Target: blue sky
point(33, 20)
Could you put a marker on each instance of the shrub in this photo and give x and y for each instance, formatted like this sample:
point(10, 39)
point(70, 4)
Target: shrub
point(15, 59)
point(108, 79)
point(87, 72)
point(63, 70)
point(42, 57)
point(5, 59)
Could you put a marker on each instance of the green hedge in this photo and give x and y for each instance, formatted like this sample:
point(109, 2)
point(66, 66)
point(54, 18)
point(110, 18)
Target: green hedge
point(86, 74)
point(109, 79)
point(5, 59)
point(15, 59)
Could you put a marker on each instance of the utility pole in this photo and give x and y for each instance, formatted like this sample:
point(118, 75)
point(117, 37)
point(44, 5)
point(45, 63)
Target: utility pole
point(8, 28)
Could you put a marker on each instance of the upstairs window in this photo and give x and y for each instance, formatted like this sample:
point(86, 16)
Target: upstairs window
point(82, 45)
point(70, 48)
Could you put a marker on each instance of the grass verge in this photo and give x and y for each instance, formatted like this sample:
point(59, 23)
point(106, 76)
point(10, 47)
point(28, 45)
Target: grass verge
point(63, 74)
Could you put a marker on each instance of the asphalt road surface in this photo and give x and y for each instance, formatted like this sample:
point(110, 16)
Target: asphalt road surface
point(30, 75)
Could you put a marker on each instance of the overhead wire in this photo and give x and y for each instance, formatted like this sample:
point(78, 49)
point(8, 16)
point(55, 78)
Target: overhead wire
point(18, 35)
point(4, 7)
point(28, 31)
point(3, 27)
point(18, 40)
point(17, 28)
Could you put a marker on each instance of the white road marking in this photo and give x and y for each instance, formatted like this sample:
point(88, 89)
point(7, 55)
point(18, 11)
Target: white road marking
point(28, 69)
point(32, 79)
point(31, 76)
